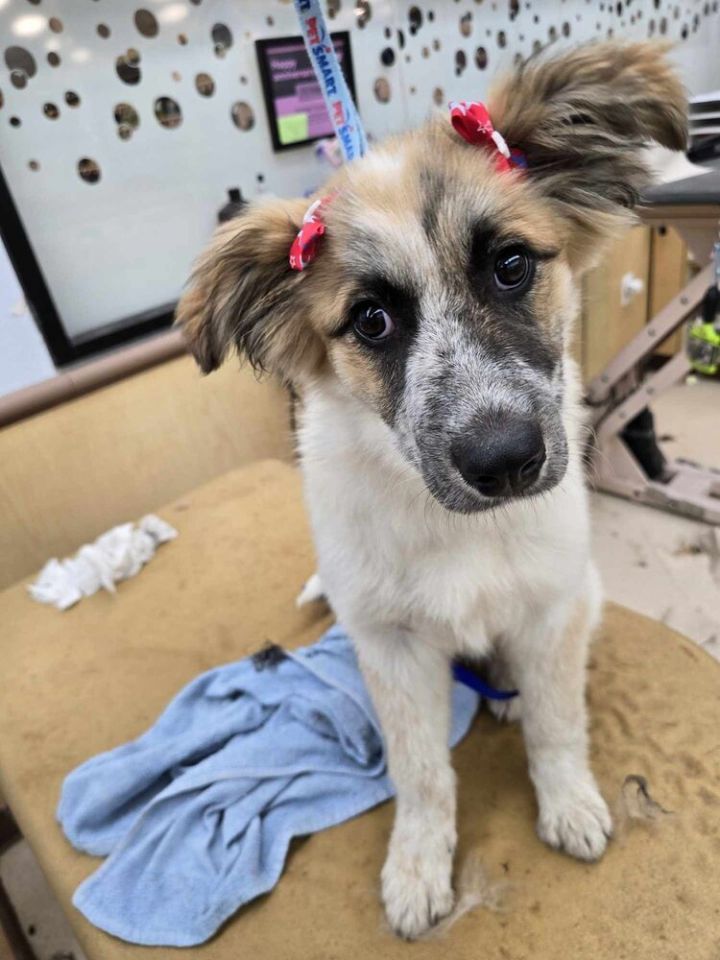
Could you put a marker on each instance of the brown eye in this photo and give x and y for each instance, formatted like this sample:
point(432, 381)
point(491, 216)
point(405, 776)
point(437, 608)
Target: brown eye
point(513, 269)
point(371, 322)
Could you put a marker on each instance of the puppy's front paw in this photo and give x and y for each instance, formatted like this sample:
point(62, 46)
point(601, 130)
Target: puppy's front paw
point(416, 884)
point(577, 821)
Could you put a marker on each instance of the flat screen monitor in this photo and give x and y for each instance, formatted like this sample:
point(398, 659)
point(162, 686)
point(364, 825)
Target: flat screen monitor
point(295, 107)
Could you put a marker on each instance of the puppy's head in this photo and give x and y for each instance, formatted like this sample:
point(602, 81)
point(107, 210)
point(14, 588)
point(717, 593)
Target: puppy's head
point(443, 291)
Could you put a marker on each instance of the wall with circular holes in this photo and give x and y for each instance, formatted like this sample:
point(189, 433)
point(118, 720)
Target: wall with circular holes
point(123, 123)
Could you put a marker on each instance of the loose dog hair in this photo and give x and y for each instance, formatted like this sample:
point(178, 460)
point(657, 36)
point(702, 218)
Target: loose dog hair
point(440, 427)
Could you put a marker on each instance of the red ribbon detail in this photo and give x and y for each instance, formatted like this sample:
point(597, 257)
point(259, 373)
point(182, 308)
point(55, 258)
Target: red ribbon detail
point(472, 121)
point(304, 247)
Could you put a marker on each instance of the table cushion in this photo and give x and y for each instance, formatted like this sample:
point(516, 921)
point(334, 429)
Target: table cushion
point(75, 683)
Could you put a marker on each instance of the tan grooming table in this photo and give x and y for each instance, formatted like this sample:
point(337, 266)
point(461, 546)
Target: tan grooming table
point(73, 684)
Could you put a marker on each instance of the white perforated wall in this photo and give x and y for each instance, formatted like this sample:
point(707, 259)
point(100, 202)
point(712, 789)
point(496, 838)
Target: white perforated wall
point(117, 204)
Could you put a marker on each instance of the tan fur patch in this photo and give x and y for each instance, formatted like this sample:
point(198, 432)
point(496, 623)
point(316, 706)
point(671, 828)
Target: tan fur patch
point(356, 370)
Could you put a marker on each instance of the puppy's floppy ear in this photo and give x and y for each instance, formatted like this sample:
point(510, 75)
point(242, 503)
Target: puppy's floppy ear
point(582, 119)
point(243, 294)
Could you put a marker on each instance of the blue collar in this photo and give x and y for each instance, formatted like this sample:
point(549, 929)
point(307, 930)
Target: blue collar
point(464, 674)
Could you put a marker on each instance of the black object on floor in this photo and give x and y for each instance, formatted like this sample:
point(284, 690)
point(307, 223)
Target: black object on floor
point(640, 437)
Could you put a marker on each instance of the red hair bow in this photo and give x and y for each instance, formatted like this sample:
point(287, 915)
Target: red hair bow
point(305, 245)
point(472, 121)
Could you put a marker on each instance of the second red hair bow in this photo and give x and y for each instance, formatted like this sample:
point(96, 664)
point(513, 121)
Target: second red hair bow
point(472, 121)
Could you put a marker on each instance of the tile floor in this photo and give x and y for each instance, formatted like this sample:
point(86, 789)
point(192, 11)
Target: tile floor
point(663, 565)
point(650, 561)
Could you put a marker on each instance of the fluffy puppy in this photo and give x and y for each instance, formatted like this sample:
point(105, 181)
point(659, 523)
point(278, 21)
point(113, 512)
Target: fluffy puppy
point(441, 430)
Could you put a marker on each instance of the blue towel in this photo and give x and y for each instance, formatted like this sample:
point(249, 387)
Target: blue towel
point(196, 815)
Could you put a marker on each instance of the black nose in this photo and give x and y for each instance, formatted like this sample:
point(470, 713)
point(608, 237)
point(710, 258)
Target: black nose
point(500, 457)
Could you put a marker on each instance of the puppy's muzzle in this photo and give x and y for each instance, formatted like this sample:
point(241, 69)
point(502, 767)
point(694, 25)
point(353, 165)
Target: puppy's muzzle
point(501, 456)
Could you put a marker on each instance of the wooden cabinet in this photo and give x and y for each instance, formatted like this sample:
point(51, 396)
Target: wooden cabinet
point(609, 319)
point(652, 261)
point(669, 272)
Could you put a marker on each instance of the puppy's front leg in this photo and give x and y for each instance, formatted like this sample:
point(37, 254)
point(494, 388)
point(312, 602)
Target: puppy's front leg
point(549, 667)
point(410, 685)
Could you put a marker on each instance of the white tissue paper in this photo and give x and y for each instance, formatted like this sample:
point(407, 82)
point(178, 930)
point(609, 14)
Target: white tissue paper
point(116, 555)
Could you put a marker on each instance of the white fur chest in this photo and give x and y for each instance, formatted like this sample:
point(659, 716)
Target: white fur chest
point(388, 554)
